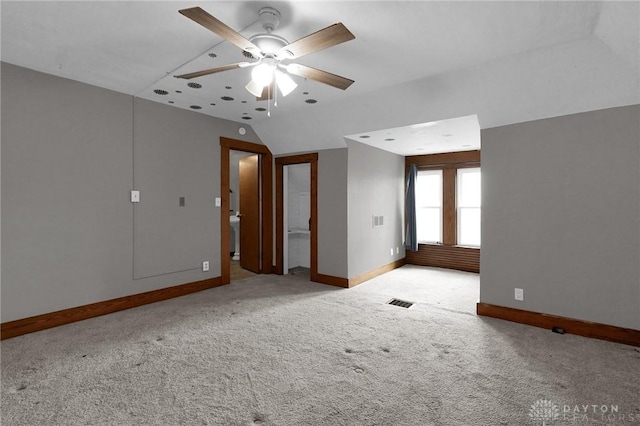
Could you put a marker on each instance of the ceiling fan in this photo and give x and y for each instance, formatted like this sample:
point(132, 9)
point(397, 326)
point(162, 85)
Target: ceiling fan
point(271, 51)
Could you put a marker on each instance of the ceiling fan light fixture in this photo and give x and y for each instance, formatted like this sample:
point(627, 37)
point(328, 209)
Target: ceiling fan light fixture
point(262, 74)
point(254, 88)
point(284, 83)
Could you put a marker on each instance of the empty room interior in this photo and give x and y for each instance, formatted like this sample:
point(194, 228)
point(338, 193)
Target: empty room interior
point(320, 213)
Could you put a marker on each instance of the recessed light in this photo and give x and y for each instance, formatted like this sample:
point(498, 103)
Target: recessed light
point(261, 109)
point(195, 107)
point(227, 87)
point(242, 130)
point(226, 98)
point(365, 137)
point(160, 92)
point(194, 85)
point(389, 139)
point(311, 101)
point(246, 118)
point(178, 91)
point(213, 55)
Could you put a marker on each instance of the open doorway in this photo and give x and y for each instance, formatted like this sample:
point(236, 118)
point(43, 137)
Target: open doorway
point(303, 224)
point(244, 214)
point(296, 215)
point(246, 208)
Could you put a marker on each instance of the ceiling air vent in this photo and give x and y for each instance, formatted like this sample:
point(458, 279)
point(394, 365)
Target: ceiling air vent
point(160, 92)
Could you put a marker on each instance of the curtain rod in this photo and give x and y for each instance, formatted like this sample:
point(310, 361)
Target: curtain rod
point(419, 165)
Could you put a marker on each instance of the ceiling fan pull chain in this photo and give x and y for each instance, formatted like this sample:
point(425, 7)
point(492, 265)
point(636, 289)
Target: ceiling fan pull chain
point(269, 101)
point(275, 93)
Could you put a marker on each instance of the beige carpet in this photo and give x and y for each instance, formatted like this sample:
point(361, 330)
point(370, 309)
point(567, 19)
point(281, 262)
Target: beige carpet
point(284, 351)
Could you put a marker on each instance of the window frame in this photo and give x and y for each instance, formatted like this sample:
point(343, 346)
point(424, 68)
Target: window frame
point(450, 197)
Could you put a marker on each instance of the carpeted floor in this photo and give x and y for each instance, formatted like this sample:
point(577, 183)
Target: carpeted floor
point(280, 350)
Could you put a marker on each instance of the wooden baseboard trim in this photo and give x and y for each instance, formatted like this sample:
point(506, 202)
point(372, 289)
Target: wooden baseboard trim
point(352, 282)
point(593, 330)
point(66, 316)
point(374, 273)
point(331, 280)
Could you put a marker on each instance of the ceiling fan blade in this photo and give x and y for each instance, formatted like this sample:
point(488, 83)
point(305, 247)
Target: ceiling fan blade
point(210, 71)
point(320, 76)
point(211, 23)
point(267, 92)
point(327, 37)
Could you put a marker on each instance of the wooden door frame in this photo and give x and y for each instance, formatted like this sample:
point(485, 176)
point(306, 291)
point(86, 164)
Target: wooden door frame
point(312, 159)
point(266, 177)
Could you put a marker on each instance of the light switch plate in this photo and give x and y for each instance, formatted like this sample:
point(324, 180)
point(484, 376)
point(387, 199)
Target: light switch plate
point(218, 201)
point(135, 196)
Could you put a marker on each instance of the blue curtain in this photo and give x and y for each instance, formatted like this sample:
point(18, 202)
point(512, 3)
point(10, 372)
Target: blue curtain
point(411, 237)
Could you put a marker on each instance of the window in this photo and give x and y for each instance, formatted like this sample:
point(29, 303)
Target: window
point(429, 206)
point(448, 205)
point(469, 205)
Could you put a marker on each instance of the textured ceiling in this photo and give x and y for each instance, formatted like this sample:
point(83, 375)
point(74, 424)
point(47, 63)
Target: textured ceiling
point(412, 62)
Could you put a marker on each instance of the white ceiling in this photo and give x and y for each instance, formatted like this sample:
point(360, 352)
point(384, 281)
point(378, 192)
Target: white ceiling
point(412, 61)
point(454, 134)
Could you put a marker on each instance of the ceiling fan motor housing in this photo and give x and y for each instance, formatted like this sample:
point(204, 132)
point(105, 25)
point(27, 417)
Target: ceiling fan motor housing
point(269, 44)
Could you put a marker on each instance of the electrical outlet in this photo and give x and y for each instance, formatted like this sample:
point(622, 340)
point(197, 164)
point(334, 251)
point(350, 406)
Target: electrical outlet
point(135, 196)
point(519, 294)
point(205, 266)
point(391, 251)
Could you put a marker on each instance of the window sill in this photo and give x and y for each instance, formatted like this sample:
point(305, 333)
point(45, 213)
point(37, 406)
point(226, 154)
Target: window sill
point(449, 245)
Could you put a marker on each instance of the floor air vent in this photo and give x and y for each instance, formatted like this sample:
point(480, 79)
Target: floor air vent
point(401, 303)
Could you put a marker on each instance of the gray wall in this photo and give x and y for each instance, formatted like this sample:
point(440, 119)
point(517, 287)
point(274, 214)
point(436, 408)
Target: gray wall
point(561, 216)
point(332, 212)
point(70, 156)
point(375, 187)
